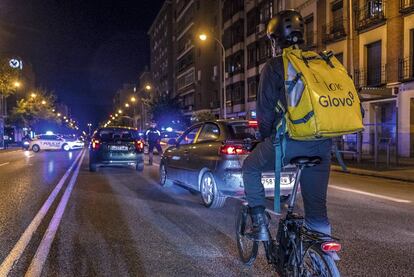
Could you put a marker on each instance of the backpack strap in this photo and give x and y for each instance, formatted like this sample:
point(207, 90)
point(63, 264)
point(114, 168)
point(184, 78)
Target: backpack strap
point(280, 146)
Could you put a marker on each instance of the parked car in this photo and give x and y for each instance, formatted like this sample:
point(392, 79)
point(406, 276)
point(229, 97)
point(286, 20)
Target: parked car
point(208, 159)
point(48, 142)
point(115, 146)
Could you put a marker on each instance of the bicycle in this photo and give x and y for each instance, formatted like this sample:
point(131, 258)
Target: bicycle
point(296, 251)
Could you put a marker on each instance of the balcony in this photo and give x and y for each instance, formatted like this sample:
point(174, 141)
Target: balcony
point(334, 31)
point(406, 6)
point(370, 78)
point(406, 69)
point(372, 14)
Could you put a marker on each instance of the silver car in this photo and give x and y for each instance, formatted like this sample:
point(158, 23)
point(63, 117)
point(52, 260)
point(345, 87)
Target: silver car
point(208, 158)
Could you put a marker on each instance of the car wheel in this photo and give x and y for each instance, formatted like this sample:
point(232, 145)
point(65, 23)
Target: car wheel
point(92, 167)
point(66, 147)
point(139, 167)
point(36, 148)
point(164, 181)
point(209, 193)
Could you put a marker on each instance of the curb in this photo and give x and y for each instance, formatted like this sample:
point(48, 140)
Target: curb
point(364, 172)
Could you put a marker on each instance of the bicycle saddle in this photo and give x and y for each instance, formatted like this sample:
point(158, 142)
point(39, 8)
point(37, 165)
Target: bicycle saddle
point(306, 161)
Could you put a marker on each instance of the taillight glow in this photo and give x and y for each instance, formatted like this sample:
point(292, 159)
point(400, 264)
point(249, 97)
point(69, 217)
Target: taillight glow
point(253, 123)
point(331, 246)
point(95, 144)
point(233, 150)
point(139, 145)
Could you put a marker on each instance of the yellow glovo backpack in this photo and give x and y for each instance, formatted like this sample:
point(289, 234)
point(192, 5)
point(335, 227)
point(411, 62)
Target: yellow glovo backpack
point(321, 102)
point(321, 99)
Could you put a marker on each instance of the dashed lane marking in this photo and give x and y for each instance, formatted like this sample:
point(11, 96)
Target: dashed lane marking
point(4, 164)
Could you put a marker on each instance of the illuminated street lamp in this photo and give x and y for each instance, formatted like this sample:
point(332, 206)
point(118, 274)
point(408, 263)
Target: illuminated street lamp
point(148, 87)
point(126, 105)
point(120, 111)
point(133, 99)
point(59, 114)
point(33, 95)
point(43, 102)
point(204, 37)
point(17, 84)
point(116, 115)
point(64, 117)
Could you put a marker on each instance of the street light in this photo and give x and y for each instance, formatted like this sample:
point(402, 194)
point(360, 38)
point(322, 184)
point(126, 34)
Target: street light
point(33, 95)
point(120, 111)
point(133, 99)
point(148, 87)
point(204, 37)
point(59, 114)
point(126, 105)
point(17, 84)
point(43, 102)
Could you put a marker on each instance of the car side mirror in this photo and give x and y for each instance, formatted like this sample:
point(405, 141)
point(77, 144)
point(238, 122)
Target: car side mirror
point(172, 141)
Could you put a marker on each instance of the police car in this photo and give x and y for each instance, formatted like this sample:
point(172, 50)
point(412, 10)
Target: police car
point(49, 142)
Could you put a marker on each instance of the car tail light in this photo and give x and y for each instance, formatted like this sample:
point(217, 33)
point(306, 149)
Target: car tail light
point(331, 246)
point(95, 144)
point(139, 145)
point(253, 123)
point(233, 150)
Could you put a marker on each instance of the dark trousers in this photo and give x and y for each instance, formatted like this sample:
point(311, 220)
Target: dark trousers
point(151, 150)
point(313, 183)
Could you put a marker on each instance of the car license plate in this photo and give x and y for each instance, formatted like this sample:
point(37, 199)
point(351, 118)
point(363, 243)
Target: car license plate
point(269, 182)
point(119, 148)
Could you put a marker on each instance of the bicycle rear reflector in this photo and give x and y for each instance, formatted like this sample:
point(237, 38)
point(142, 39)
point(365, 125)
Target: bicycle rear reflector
point(331, 246)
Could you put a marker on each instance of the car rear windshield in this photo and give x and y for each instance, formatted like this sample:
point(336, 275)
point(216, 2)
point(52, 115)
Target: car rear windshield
point(242, 130)
point(109, 134)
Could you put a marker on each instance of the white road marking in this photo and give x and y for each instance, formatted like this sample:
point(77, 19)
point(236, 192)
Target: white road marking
point(398, 200)
point(15, 254)
point(157, 164)
point(4, 164)
point(39, 259)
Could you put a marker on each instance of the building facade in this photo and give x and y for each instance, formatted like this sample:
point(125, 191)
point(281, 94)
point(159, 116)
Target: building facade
point(162, 51)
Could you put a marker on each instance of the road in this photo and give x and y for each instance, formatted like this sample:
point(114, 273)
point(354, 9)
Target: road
point(117, 222)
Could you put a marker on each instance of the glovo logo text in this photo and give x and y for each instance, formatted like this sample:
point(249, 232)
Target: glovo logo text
point(330, 101)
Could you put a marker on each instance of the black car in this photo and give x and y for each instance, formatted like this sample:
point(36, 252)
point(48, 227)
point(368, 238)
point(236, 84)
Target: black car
point(114, 146)
point(208, 159)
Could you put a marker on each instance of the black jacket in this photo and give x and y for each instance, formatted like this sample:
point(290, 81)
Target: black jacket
point(153, 135)
point(271, 89)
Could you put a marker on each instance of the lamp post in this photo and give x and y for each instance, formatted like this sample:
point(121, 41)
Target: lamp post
point(204, 37)
point(89, 127)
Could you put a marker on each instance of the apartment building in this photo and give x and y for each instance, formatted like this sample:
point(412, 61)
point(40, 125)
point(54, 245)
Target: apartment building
point(162, 51)
point(197, 70)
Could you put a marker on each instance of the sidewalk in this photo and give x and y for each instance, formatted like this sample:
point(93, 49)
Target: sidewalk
point(404, 172)
point(10, 149)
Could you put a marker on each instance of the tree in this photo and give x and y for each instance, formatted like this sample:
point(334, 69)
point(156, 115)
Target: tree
point(38, 106)
point(8, 78)
point(166, 112)
point(204, 116)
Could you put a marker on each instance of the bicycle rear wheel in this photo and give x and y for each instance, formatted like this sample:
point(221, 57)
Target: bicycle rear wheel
point(318, 263)
point(247, 248)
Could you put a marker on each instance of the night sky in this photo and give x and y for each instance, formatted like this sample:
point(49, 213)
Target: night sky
point(82, 50)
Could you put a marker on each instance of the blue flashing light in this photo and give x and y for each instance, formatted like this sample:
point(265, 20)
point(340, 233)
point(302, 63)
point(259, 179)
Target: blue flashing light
point(169, 129)
point(49, 133)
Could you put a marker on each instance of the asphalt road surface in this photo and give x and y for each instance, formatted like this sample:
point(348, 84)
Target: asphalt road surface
point(58, 219)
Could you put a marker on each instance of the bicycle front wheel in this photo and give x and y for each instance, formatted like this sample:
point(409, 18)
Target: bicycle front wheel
point(318, 263)
point(247, 248)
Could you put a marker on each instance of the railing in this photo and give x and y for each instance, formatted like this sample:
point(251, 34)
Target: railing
point(370, 15)
point(406, 69)
point(334, 31)
point(406, 6)
point(371, 78)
